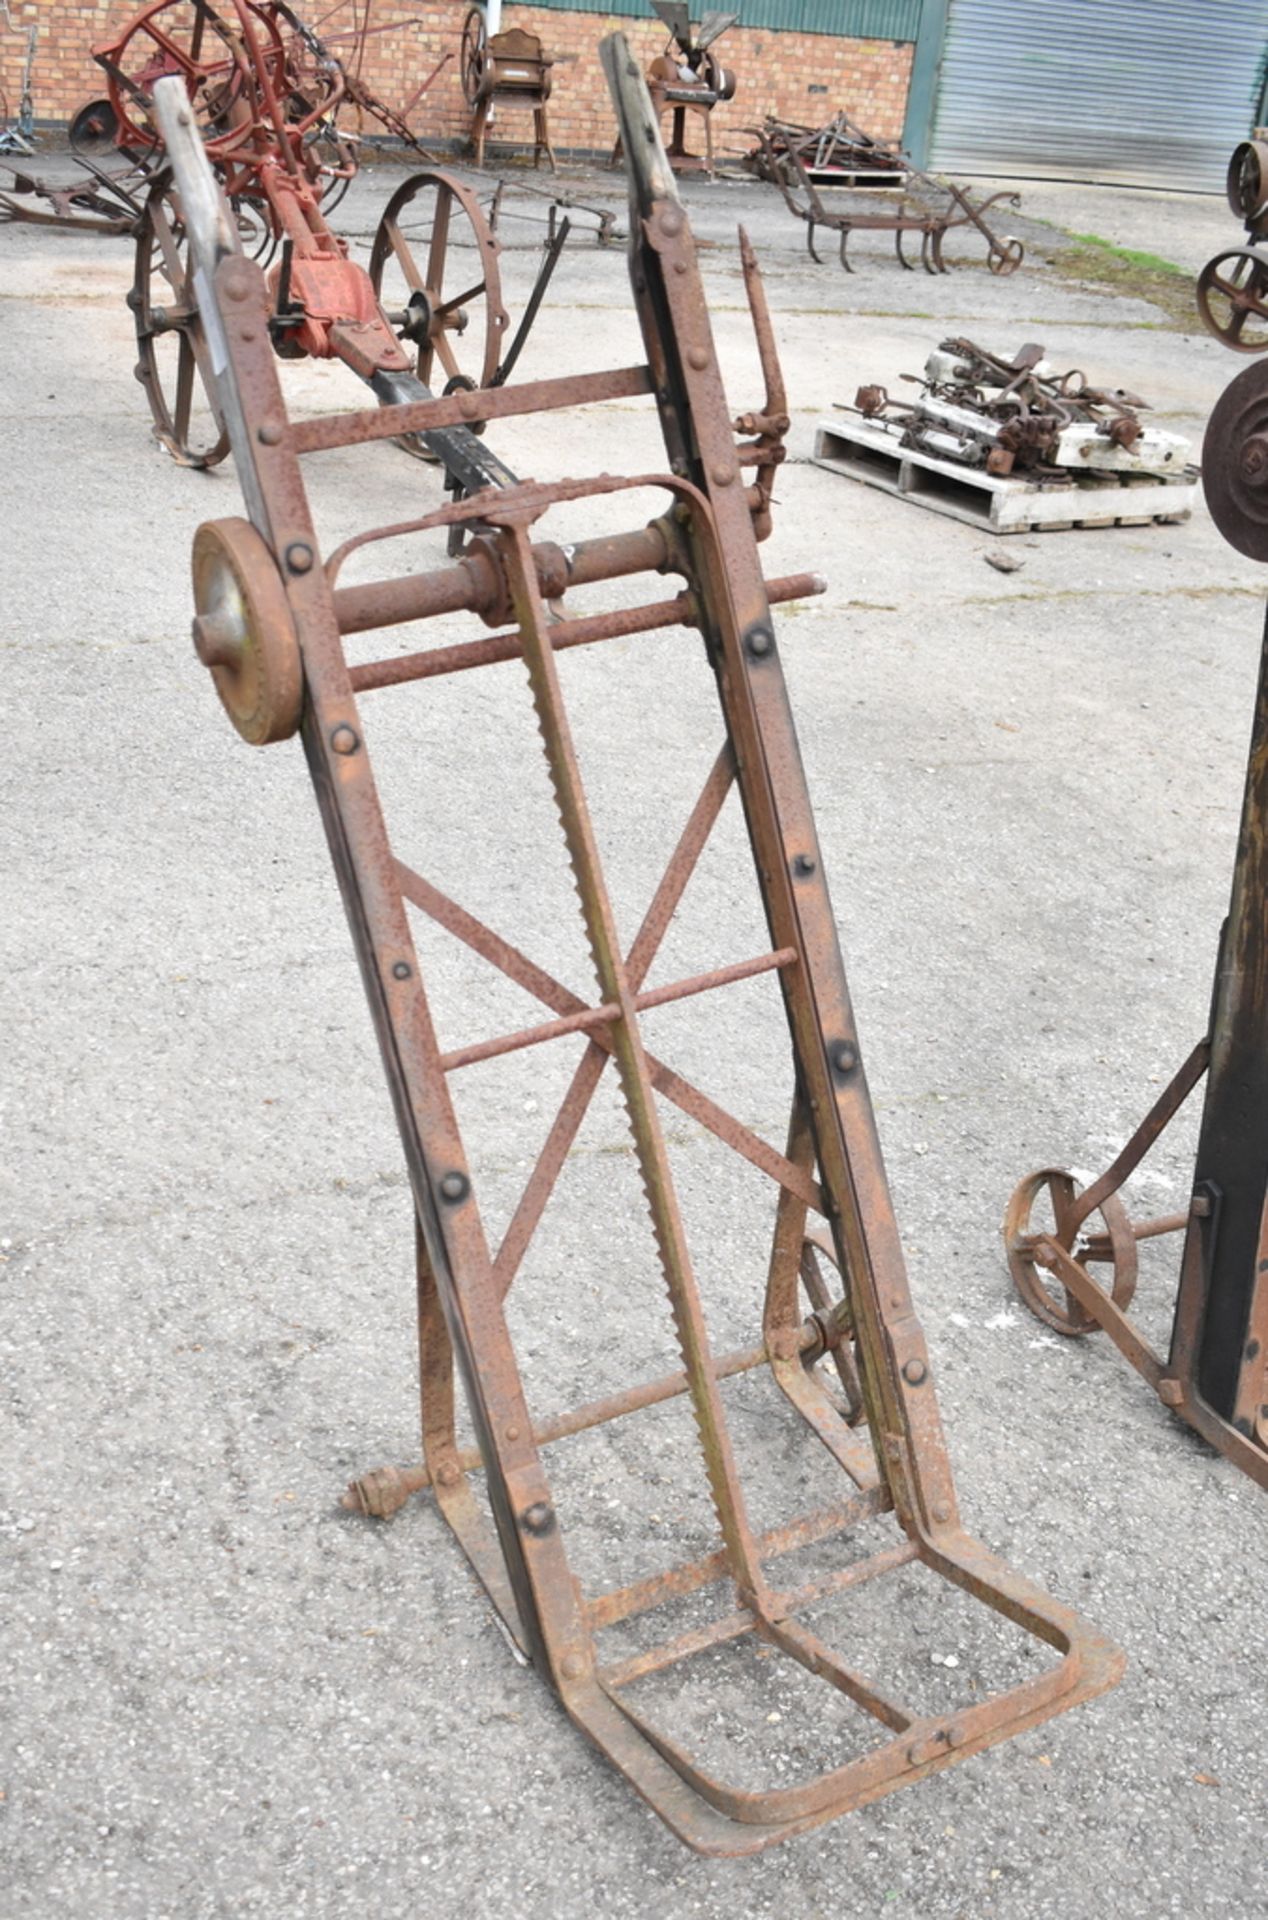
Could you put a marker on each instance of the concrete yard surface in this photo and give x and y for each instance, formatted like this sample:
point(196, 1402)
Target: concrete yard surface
point(221, 1694)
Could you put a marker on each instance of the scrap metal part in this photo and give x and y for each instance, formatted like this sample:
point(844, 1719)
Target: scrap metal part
point(846, 1361)
point(1022, 415)
point(105, 202)
point(1215, 1375)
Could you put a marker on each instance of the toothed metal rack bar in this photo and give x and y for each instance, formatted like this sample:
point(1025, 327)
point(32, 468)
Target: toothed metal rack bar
point(849, 1361)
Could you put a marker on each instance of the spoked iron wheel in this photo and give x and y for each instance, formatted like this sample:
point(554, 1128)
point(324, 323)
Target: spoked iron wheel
point(434, 266)
point(1039, 1212)
point(1233, 299)
point(825, 1301)
point(172, 359)
point(191, 39)
point(1005, 256)
point(471, 65)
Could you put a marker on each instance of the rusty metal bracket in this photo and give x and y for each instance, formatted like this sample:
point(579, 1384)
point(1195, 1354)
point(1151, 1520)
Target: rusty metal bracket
point(848, 1370)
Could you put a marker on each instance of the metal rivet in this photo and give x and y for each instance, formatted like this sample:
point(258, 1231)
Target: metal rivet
point(454, 1186)
point(698, 358)
point(402, 970)
point(804, 863)
point(572, 1666)
point(344, 740)
point(299, 556)
point(449, 1474)
point(723, 476)
point(512, 1432)
point(538, 1519)
point(956, 1734)
point(680, 266)
point(941, 1512)
point(269, 433)
point(237, 283)
point(915, 1373)
point(248, 334)
point(468, 405)
point(671, 220)
point(760, 641)
point(844, 1057)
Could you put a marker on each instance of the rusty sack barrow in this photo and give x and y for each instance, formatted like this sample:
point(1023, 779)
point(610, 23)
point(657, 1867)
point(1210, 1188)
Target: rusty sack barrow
point(1215, 1375)
point(271, 616)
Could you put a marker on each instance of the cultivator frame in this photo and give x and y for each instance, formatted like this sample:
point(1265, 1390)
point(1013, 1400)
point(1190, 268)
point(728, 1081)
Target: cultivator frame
point(1215, 1374)
point(783, 160)
point(272, 614)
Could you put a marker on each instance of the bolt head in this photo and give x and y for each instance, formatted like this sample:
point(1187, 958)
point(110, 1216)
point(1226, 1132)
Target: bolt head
point(915, 1373)
point(1254, 460)
point(454, 1186)
point(344, 740)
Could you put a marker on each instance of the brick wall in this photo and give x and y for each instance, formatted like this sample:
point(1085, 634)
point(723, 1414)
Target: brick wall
point(776, 70)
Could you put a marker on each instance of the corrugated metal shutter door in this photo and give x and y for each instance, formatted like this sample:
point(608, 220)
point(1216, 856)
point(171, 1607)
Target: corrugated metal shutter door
point(1148, 93)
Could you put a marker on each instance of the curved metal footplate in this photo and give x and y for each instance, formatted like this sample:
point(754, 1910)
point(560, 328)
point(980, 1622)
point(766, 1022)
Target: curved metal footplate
point(836, 1346)
point(715, 1818)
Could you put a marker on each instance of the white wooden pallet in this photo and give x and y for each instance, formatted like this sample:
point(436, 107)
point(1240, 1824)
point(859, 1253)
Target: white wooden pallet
point(1011, 504)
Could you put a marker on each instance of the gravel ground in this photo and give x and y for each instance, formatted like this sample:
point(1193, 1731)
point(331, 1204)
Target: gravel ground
point(223, 1695)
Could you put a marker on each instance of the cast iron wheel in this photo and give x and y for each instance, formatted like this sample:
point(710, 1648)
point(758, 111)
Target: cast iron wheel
point(243, 631)
point(1040, 1210)
point(1005, 256)
point(473, 56)
point(190, 39)
point(172, 359)
point(1235, 462)
point(1233, 299)
point(846, 1391)
point(434, 266)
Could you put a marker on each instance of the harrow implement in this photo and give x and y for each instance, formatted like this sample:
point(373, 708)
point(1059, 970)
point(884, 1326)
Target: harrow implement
point(839, 1353)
